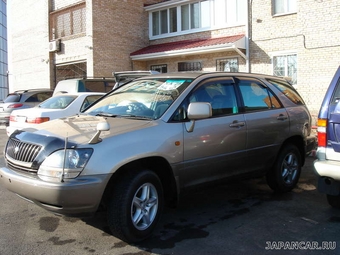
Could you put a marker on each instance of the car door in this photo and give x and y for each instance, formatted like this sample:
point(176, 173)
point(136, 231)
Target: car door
point(267, 123)
point(216, 147)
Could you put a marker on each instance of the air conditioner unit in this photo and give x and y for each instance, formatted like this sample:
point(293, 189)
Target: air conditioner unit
point(54, 46)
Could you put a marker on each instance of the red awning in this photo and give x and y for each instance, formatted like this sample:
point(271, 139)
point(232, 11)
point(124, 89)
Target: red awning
point(189, 47)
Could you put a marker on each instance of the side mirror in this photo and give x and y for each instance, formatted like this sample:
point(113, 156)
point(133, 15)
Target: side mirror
point(199, 110)
point(196, 111)
point(102, 126)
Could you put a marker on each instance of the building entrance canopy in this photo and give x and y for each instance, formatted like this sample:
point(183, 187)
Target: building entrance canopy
point(191, 47)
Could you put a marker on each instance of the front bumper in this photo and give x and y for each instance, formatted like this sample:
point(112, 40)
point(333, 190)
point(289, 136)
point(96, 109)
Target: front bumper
point(79, 197)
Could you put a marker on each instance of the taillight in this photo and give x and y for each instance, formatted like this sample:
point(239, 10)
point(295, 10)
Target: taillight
point(12, 118)
point(322, 136)
point(14, 105)
point(37, 120)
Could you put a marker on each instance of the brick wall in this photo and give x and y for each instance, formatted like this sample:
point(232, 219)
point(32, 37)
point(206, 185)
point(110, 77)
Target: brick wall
point(119, 28)
point(312, 33)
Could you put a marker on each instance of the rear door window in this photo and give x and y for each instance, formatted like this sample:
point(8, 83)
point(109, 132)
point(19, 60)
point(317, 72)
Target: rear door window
point(256, 97)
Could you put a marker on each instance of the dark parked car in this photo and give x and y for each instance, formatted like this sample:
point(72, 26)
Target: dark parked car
point(22, 99)
point(327, 165)
point(142, 144)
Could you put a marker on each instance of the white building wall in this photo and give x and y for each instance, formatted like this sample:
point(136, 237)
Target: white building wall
point(30, 66)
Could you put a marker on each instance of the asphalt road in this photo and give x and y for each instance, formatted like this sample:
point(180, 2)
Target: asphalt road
point(243, 217)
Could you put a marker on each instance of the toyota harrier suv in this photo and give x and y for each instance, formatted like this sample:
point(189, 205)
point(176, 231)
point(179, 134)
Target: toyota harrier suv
point(22, 99)
point(327, 165)
point(141, 145)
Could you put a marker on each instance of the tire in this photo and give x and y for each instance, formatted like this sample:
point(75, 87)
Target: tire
point(135, 206)
point(286, 170)
point(334, 201)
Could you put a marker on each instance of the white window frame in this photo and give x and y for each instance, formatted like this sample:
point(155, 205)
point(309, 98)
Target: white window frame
point(288, 7)
point(285, 54)
point(237, 13)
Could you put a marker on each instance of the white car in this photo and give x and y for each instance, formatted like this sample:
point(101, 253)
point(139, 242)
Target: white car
point(59, 106)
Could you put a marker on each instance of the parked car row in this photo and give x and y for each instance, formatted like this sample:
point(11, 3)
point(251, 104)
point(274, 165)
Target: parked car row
point(59, 106)
point(24, 99)
point(141, 145)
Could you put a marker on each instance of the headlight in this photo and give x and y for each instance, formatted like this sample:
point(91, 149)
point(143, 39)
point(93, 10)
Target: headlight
point(72, 163)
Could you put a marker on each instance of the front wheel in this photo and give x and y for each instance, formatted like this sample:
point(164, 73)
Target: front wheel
point(135, 206)
point(334, 201)
point(285, 173)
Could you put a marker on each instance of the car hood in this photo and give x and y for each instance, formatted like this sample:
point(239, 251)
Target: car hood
point(81, 129)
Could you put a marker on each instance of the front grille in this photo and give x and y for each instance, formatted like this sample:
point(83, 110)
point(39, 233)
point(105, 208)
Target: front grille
point(22, 151)
point(21, 168)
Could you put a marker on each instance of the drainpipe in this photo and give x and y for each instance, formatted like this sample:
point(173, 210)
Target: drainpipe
point(247, 36)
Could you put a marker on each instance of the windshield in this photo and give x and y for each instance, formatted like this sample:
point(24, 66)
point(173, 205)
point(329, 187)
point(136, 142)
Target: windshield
point(57, 102)
point(147, 98)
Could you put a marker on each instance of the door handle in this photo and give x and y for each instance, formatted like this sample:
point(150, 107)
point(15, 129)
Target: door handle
point(237, 124)
point(282, 117)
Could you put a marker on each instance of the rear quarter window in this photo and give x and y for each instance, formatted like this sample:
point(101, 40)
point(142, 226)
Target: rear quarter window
point(288, 91)
point(336, 95)
point(12, 98)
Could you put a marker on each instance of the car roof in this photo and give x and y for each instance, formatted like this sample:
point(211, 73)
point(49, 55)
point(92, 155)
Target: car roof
point(30, 90)
point(60, 93)
point(194, 75)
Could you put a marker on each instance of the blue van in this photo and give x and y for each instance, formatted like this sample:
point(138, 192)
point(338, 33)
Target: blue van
point(327, 164)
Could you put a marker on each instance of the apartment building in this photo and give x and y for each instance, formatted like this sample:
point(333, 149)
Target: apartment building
point(61, 39)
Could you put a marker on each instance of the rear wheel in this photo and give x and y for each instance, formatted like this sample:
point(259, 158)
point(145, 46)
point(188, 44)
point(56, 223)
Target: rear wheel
point(334, 201)
point(135, 205)
point(285, 173)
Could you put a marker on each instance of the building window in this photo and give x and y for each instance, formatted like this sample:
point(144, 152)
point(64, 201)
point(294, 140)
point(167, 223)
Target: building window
point(159, 68)
point(227, 65)
point(286, 66)
point(189, 66)
point(284, 6)
point(201, 15)
point(67, 22)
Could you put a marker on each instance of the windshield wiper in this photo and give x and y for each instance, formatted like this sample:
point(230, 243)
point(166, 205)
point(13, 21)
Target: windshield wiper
point(103, 114)
point(135, 117)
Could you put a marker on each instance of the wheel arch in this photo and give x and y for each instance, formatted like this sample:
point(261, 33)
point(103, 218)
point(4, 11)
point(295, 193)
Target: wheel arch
point(299, 143)
point(158, 165)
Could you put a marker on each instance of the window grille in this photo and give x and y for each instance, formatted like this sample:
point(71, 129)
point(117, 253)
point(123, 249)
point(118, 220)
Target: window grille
point(68, 22)
point(77, 70)
point(286, 65)
point(159, 68)
point(189, 66)
point(227, 65)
